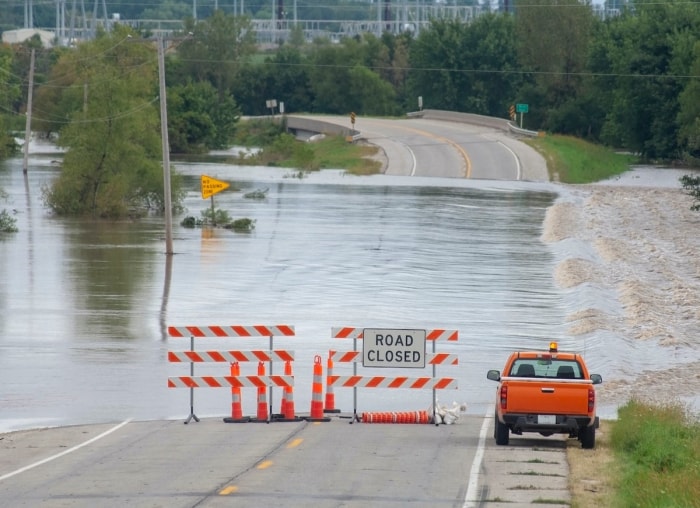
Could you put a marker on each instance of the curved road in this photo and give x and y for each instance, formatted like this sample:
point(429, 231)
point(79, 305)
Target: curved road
point(438, 148)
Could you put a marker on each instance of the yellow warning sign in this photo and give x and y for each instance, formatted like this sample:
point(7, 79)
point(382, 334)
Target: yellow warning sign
point(211, 186)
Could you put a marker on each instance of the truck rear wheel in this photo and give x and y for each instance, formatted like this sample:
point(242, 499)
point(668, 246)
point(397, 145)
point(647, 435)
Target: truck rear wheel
point(501, 433)
point(587, 437)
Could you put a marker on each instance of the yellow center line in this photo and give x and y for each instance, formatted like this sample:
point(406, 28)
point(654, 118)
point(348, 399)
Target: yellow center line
point(228, 490)
point(264, 464)
point(454, 144)
point(295, 443)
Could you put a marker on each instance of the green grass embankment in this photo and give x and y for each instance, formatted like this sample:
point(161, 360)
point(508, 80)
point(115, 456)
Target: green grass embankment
point(658, 448)
point(648, 458)
point(573, 160)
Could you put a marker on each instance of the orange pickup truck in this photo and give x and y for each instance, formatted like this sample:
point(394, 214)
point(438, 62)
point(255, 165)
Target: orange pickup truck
point(547, 392)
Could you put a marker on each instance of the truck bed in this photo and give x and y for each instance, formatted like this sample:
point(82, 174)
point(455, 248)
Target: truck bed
point(547, 396)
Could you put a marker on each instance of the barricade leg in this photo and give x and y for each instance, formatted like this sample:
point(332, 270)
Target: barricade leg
point(236, 407)
point(317, 393)
point(330, 396)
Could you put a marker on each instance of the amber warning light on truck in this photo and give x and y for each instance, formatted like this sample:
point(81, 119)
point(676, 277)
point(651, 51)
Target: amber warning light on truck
point(393, 348)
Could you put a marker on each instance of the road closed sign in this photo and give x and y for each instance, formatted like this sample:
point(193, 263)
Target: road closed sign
point(393, 348)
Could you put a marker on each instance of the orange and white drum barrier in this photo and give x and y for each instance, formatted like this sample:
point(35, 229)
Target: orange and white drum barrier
point(263, 414)
point(329, 407)
point(236, 406)
point(287, 406)
point(317, 393)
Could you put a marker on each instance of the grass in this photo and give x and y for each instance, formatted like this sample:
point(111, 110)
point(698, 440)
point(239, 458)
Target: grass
point(648, 458)
point(282, 150)
point(573, 160)
point(337, 153)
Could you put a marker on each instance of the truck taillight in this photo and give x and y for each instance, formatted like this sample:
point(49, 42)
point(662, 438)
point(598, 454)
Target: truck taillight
point(504, 397)
point(591, 399)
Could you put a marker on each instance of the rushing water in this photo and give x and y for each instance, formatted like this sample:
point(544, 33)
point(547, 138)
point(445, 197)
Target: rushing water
point(84, 305)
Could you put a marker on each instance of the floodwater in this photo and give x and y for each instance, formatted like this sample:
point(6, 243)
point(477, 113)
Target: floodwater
point(84, 305)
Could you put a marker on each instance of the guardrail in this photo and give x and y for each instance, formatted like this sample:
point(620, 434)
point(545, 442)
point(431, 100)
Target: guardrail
point(473, 119)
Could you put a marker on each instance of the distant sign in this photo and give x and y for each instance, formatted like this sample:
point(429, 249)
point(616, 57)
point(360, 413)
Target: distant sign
point(522, 108)
point(211, 186)
point(393, 348)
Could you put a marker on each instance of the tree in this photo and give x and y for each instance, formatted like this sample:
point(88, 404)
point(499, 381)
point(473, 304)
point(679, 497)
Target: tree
point(216, 50)
point(286, 77)
point(112, 164)
point(11, 93)
point(471, 68)
point(198, 120)
point(330, 74)
point(553, 37)
point(692, 185)
point(651, 52)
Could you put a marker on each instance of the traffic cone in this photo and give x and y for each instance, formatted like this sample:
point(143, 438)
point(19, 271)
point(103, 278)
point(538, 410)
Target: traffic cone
point(288, 398)
point(317, 393)
point(283, 402)
point(236, 409)
point(262, 397)
point(329, 407)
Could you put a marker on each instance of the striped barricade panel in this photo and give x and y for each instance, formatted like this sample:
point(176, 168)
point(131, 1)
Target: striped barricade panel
point(231, 356)
point(432, 358)
point(229, 381)
point(354, 332)
point(232, 331)
point(392, 382)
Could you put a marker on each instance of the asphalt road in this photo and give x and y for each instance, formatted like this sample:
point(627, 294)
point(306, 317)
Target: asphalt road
point(448, 149)
point(292, 464)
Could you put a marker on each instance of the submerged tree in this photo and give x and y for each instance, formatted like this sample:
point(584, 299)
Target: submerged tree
point(691, 184)
point(112, 164)
point(10, 93)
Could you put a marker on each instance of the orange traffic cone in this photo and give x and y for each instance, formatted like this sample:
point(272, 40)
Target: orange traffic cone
point(330, 396)
point(317, 393)
point(288, 399)
point(236, 408)
point(262, 397)
point(283, 402)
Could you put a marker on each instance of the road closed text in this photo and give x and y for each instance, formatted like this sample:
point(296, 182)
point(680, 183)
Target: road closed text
point(393, 348)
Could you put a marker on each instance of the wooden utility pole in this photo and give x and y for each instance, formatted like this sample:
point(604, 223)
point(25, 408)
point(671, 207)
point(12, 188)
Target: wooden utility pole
point(166, 150)
point(28, 125)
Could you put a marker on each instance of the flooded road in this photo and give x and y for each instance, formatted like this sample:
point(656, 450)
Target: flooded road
point(84, 306)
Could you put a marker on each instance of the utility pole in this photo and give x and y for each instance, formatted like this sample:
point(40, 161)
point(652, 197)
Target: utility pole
point(28, 125)
point(166, 150)
point(28, 14)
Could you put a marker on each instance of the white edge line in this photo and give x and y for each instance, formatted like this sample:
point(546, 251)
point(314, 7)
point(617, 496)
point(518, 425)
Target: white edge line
point(471, 499)
point(65, 452)
point(519, 175)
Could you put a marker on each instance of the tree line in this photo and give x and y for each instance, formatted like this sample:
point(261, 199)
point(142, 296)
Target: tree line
point(630, 82)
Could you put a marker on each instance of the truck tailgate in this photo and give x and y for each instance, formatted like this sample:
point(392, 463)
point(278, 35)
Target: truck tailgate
point(538, 396)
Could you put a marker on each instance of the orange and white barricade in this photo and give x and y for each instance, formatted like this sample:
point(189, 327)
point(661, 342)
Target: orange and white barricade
point(355, 356)
point(263, 382)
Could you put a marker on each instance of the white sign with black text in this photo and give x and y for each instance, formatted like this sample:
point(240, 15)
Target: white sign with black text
point(393, 348)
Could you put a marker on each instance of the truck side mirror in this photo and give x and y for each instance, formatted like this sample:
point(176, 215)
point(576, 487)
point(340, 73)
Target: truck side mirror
point(596, 378)
point(493, 375)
